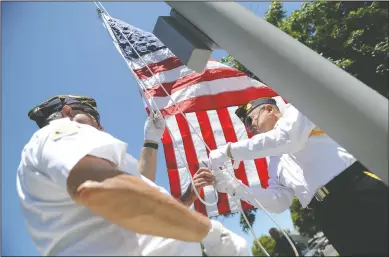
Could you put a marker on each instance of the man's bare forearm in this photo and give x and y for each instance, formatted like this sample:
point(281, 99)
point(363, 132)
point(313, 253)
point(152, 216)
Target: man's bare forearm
point(189, 197)
point(147, 164)
point(131, 203)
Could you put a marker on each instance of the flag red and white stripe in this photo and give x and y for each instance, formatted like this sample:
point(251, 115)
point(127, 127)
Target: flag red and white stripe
point(209, 101)
point(180, 88)
point(215, 127)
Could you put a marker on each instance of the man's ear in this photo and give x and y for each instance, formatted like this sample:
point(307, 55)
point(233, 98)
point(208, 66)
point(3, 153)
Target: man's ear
point(67, 111)
point(269, 108)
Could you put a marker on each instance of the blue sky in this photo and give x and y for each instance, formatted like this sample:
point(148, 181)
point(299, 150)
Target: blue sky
point(51, 48)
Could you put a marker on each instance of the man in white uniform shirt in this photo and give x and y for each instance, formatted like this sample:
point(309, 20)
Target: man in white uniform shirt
point(349, 202)
point(82, 194)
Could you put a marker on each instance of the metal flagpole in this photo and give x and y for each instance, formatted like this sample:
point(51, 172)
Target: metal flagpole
point(350, 112)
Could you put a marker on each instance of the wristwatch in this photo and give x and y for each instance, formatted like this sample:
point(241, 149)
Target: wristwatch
point(151, 145)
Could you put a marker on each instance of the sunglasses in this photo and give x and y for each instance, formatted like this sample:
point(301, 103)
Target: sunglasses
point(56, 103)
point(248, 121)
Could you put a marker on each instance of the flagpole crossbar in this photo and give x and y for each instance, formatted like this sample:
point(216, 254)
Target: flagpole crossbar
point(189, 44)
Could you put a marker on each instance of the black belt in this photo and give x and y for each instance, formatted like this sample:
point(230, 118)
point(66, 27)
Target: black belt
point(339, 183)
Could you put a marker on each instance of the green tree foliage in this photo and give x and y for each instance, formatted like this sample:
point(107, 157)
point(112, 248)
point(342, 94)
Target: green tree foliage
point(202, 250)
point(275, 14)
point(303, 219)
point(267, 242)
point(353, 35)
point(250, 215)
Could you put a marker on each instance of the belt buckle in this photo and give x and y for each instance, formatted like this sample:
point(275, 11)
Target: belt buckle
point(321, 194)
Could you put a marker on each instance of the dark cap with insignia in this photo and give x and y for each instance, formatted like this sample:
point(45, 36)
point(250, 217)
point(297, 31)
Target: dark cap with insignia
point(41, 112)
point(243, 111)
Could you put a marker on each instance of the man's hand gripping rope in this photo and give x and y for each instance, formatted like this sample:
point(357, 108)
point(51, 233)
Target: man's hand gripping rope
point(226, 182)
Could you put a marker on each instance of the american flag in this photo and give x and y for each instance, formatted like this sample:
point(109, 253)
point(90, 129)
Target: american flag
point(208, 100)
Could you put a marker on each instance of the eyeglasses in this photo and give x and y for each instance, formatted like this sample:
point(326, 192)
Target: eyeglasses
point(56, 103)
point(248, 121)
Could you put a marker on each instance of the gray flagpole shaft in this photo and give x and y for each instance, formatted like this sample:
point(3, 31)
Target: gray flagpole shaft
point(350, 112)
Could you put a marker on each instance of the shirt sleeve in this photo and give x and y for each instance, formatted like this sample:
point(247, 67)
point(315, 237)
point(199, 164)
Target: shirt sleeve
point(288, 136)
point(275, 198)
point(66, 143)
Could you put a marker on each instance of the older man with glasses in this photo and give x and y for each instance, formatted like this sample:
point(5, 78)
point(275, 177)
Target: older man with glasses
point(350, 203)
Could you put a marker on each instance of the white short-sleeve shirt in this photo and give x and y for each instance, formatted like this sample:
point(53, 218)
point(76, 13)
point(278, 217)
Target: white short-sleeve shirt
point(59, 226)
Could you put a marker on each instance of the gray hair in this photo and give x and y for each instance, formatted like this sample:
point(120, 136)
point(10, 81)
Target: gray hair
point(54, 116)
